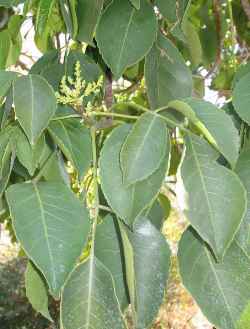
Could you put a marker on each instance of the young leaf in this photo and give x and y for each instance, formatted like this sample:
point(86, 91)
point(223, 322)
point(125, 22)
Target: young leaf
point(143, 149)
point(127, 201)
point(74, 141)
point(134, 29)
point(6, 80)
point(35, 105)
point(167, 76)
point(214, 123)
point(88, 15)
point(52, 232)
point(242, 169)
point(89, 300)
point(215, 197)
point(222, 290)
point(44, 11)
point(108, 249)
point(36, 291)
point(151, 262)
point(241, 98)
point(68, 9)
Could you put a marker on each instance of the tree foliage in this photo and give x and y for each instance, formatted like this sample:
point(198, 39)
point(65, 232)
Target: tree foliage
point(90, 134)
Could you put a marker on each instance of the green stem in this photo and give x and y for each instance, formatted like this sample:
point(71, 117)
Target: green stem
point(114, 115)
point(95, 187)
point(144, 109)
point(105, 208)
point(169, 121)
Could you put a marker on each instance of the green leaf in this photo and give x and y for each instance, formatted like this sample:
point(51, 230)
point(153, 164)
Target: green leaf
point(243, 70)
point(144, 148)
point(43, 14)
point(6, 80)
point(49, 67)
point(54, 168)
point(74, 141)
point(88, 15)
point(10, 3)
point(68, 9)
point(29, 156)
point(241, 98)
point(53, 231)
point(108, 249)
point(151, 261)
point(172, 10)
point(14, 26)
point(44, 62)
point(214, 123)
point(64, 112)
point(242, 169)
point(222, 290)
point(35, 104)
point(244, 318)
point(193, 42)
point(7, 157)
point(134, 29)
point(5, 45)
point(136, 3)
point(167, 76)
point(156, 214)
point(215, 199)
point(89, 300)
point(127, 201)
point(36, 291)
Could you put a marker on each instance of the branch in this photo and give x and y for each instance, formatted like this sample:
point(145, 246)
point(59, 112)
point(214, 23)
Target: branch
point(246, 8)
point(109, 90)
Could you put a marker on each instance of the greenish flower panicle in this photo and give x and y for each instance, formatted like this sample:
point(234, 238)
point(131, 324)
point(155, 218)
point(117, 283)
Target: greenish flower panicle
point(73, 90)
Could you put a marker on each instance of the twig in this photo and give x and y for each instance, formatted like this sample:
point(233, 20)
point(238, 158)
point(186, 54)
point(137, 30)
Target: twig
point(22, 65)
point(109, 90)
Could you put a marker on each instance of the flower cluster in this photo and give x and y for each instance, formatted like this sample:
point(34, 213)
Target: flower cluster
point(73, 91)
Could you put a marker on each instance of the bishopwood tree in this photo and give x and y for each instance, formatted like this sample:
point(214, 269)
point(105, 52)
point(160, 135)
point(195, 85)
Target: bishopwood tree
point(84, 157)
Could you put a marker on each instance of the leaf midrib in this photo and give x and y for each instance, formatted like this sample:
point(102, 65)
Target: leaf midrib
point(44, 224)
point(142, 144)
point(124, 40)
point(32, 107)
point(211, 216)
point(219, 285)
